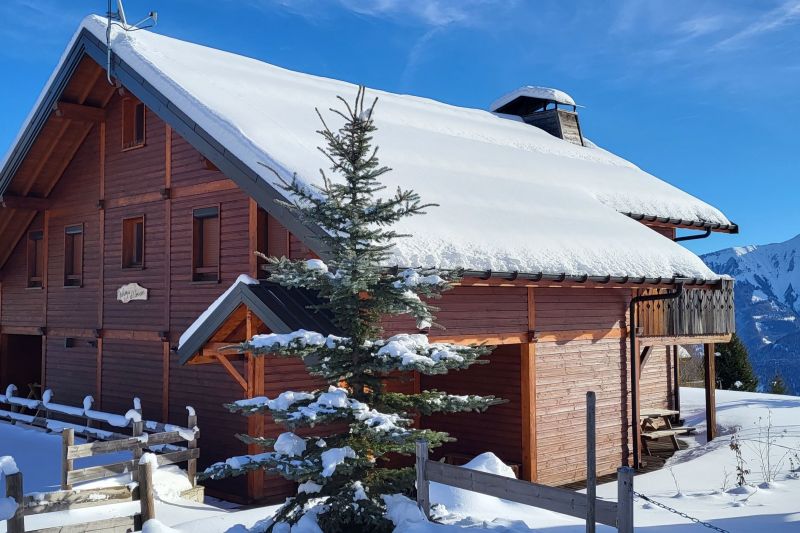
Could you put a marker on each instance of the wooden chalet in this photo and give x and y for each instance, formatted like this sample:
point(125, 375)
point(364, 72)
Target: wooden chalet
point(126, 213)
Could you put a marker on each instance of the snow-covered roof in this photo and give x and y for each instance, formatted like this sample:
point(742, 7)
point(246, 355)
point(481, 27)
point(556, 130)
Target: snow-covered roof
point(511, 197)
point(533, 91)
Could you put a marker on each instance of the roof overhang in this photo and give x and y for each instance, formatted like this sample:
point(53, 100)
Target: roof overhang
point(685, 224)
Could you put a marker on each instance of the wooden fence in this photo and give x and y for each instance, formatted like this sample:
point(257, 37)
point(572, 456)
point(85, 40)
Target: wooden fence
point(158, 438)
point(63, 500)
point(617, 514)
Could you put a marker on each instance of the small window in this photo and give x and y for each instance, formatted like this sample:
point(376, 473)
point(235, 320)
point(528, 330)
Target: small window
point(205, 243)
point(73, 256)
point(133, 242)
point(36, 259)
point(132, 123)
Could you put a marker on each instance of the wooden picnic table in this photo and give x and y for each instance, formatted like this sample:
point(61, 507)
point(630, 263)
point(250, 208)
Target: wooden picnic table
point(656, 424)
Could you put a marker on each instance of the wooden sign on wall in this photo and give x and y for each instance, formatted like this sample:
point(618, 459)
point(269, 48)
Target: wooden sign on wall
point(131, 291)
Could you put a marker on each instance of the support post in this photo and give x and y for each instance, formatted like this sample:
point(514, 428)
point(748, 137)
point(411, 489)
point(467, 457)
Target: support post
point(191, 466)
point(625, 499)
point(146, 500)
point(635, 410)
point(15, 524)
point(67, 440)
point(676, 384)
point(711, 389)
point(138, 429)
point(591, 462)
point(423, 485)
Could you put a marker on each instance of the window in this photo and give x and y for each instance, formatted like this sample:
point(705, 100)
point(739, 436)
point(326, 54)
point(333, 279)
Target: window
point(36, 259)
point(205, 244)
point(73, 256)
point(132, 123)
point(133, 242)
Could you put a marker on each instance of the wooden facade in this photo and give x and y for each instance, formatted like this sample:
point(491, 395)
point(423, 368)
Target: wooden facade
point(556, 340)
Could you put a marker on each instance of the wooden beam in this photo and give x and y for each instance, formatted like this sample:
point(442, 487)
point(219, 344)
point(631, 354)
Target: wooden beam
point(79, 112)
point(492, 340)
point(580, 335)
point(666, 341)
point(676, 386)
point(710, 379)
point(635, 404)
point(528, 388)
point(233, 372)
point(29, 203)
point(252, 233)
point(255, 423)
point(165, 381)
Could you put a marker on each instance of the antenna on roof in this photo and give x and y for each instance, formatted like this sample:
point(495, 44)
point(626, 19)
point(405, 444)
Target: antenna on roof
point(118, 18)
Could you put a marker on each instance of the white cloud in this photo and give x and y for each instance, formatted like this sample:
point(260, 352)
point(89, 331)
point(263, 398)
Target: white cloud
point(786, 14)
point(431, 13)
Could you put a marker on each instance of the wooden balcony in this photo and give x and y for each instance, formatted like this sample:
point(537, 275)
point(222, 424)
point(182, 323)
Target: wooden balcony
point(696, 316)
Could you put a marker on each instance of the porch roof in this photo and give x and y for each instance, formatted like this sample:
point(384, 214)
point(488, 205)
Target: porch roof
point(281, 310)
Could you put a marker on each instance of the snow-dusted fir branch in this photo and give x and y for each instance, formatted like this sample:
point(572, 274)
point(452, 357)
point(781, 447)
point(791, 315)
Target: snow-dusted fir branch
point(338, 437)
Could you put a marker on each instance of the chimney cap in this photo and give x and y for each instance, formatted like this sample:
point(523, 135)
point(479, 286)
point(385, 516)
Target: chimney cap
point(533, 92)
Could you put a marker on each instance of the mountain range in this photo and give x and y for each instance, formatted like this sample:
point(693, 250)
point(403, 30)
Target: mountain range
point(767, 300)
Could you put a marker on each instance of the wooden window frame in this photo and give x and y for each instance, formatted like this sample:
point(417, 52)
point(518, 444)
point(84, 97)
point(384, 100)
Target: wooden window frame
point(195, 217)
point(79, 276)
point(123, 254)
point(31, 268)
point(134, 143)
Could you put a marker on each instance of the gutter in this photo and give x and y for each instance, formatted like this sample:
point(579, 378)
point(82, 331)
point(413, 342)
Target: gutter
point(693, 237)
point(635, 353)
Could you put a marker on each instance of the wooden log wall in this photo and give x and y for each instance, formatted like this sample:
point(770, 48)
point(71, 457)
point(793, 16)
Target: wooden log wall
point(568, 364)
point(499, 429)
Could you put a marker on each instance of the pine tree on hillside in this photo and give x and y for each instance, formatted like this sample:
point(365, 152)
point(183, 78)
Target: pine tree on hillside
point(350, 426)
point(734, 370)
point(777, 385)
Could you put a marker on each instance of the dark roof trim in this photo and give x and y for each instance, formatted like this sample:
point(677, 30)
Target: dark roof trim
point(584, 278)
point(281, 310)
point(259, 189)
point(679, 222)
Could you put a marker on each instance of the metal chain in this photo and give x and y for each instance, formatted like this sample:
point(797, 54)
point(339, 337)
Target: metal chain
point(679, 513)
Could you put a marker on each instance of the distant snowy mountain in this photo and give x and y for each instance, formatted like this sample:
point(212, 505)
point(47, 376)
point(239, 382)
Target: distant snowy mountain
point(767, 305)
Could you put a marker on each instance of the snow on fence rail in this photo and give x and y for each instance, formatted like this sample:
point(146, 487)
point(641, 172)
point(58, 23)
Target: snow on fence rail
point(63, 500)
point(145, 435)
point(617, 514)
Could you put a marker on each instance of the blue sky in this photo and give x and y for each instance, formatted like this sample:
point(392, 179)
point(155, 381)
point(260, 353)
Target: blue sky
point(700, 93)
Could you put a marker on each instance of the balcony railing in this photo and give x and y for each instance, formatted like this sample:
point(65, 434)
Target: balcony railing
point(695, 313)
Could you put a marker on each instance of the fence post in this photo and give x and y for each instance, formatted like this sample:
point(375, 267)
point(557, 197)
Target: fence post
point(423, 485)
point(138, 429)
point(15, 524)
point(191, 466)
point(148, 506)
point(591, 463)
point(67, 440)
point(625, 499)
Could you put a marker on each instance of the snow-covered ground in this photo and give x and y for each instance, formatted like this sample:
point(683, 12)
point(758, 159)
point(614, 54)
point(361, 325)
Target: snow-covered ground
point(699, 481)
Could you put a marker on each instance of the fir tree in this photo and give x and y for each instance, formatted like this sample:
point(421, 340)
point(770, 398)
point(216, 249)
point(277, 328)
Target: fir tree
point(734, 370)
point(777, 385)
point(347, 467)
